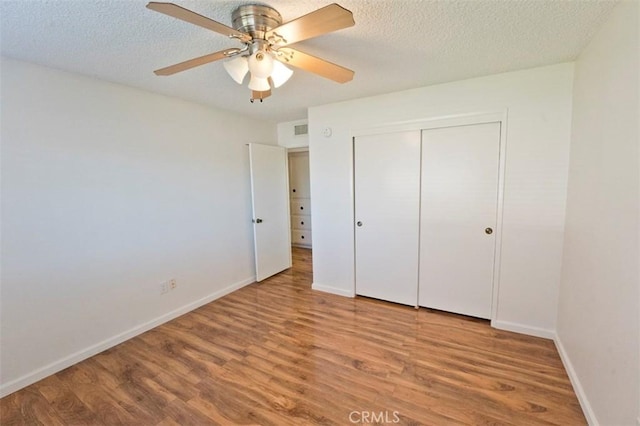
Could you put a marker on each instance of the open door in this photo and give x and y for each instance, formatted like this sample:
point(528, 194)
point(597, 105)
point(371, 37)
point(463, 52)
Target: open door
point(270, 200)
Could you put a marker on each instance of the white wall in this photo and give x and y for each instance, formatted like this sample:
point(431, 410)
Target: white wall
point(538, 134)
point(287, 137)
point(598, 316)
point(107, 191)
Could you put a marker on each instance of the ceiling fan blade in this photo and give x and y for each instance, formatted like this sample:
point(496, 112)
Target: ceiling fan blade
point(195, 62)
point(186, 15)
point(315, 65)
point(325, 20)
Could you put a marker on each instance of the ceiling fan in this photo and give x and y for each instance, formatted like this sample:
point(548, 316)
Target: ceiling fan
point(265, 39)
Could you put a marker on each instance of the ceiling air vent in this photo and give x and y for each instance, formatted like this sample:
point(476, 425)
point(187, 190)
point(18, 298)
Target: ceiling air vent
point(301, 129)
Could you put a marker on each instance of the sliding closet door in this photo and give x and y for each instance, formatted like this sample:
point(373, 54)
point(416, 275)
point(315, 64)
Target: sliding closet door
point(387, 206)
point(458, 218)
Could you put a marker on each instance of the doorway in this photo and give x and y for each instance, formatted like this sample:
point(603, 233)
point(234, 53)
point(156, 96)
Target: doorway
point(300, 198)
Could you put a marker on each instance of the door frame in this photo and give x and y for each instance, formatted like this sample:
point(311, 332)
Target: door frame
point(454, 120)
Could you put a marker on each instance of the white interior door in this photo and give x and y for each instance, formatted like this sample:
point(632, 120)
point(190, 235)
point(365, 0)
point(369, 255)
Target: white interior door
point(387, 203)
point(270, 199)
point(458, 218)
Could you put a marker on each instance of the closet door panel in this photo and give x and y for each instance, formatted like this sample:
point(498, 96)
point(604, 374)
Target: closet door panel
point(459, 195)
point(387, 203)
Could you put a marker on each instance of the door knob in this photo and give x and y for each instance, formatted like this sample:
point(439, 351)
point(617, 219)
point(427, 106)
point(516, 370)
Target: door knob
point(488, 231)
point(359, 223)
point(258, 221)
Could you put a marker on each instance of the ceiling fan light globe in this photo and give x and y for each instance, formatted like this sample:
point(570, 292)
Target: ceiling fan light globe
point(281, 73)
point(261, 64)
point(237, 68)
point(259, 84)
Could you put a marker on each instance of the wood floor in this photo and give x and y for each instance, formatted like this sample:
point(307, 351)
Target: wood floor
point(277, 353)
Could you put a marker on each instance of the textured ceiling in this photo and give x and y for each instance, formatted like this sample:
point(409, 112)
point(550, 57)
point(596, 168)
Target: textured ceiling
point(395, 45)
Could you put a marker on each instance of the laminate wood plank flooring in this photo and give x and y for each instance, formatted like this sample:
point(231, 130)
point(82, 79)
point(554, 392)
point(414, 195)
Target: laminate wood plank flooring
point(278, 353)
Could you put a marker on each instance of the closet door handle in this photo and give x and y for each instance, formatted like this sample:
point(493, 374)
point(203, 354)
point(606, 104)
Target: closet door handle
point(488, 231)
point(359, 223)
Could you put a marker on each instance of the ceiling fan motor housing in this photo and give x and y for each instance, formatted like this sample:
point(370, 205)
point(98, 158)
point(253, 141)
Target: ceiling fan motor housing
point(259, 27)
point(255, 20)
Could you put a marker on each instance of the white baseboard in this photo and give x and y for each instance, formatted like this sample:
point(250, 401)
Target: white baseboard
point(577, 386)
point(566, 361)
point(332, 290)
point(54, 367)
point(523, 329)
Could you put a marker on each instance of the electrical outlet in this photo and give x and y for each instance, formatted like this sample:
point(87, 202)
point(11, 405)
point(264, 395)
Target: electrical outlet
point(167, 286)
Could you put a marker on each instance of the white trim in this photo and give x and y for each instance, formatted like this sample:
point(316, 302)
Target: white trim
point(286, 166)
point(298, 149)
point(497, 254)
point(332, 290)
point(577, 386)
point(453, 120)
point(61, 364)
point(523, 329)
